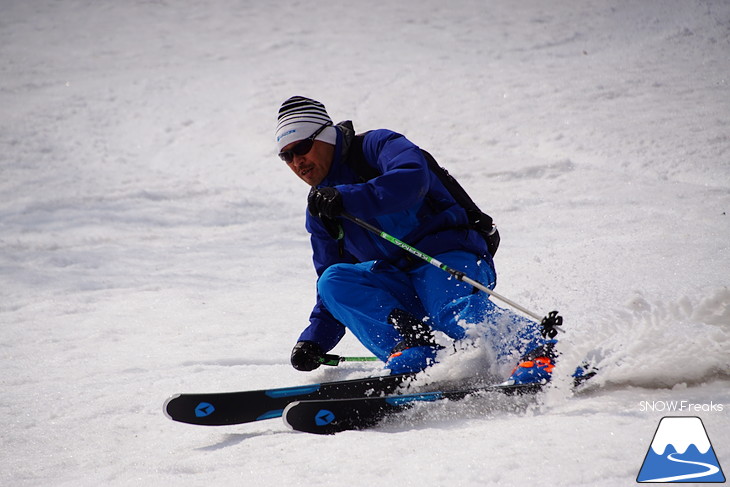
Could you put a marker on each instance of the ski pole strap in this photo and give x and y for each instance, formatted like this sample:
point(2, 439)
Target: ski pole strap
point(335, 360)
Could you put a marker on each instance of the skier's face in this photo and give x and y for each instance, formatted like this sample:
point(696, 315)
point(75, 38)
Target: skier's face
point(313, 166)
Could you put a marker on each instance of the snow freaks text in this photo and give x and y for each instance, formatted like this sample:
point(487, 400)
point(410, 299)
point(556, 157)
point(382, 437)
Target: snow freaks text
point(680, 407)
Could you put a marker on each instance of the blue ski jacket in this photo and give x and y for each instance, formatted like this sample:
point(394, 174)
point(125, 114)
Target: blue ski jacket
point(407, 201)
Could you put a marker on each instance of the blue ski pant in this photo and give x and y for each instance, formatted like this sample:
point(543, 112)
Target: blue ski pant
point(361, 296)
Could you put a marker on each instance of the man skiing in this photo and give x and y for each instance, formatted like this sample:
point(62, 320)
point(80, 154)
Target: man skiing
point(399, 307)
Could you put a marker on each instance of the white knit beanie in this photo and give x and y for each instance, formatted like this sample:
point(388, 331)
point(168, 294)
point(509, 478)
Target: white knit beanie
point(299, 118)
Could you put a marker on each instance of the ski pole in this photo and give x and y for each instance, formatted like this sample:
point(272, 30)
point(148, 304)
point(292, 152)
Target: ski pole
point(335, 360)
point(456, 274)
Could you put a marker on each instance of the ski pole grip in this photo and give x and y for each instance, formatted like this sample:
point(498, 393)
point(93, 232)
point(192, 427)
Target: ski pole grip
point(335, 360)
point(329, 359)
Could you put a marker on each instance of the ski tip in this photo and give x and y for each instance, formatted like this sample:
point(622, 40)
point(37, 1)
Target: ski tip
point(286, 413)
point(167, 403)
point(299, 416)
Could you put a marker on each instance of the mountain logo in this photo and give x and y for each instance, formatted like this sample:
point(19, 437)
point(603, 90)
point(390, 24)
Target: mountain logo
point(681, 452)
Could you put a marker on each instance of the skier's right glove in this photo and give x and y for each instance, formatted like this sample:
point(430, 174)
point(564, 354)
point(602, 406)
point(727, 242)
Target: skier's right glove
point(325, 202)
point(306, 356)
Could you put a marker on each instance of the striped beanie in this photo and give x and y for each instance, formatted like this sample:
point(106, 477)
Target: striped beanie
point(299, 118)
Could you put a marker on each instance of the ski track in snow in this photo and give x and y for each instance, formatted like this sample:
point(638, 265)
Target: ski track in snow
point(152, 243)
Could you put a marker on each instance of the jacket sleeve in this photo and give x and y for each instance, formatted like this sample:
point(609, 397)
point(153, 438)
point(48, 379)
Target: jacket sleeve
point(323, 329)
point(404, 179)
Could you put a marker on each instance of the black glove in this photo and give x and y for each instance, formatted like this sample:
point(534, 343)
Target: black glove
point(325, 202)
point(306, 356)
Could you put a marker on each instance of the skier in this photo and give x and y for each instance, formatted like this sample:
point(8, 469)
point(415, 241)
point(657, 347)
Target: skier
point(394, 303)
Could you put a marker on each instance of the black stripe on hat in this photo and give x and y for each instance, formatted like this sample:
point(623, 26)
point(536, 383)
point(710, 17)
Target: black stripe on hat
point(299, 103)
point(301, 109)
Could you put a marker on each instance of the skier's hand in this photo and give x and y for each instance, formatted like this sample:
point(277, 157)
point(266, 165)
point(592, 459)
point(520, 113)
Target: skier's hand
point(306, 356)
point(325, 202)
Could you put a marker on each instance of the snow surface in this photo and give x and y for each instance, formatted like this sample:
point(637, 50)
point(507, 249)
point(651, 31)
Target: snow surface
point(152, 243)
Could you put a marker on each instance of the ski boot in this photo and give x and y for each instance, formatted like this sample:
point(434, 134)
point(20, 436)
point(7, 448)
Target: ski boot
point(536, 367)
point(411, 359)
point(418, 348)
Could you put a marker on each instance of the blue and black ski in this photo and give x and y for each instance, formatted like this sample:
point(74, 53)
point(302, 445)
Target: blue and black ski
point(226, 408)
point(329, 416)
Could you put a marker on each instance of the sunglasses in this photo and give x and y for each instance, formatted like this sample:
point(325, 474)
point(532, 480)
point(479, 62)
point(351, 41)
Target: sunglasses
point(302, 147)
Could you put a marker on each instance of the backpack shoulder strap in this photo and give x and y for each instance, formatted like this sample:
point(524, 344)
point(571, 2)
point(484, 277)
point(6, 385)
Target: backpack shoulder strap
point(356, 160)
point(478, 220)
point(476, 216)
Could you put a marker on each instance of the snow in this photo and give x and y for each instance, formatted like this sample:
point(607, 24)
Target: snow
point(152, 243)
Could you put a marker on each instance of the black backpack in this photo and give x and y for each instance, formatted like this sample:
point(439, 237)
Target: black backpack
point(478, 220)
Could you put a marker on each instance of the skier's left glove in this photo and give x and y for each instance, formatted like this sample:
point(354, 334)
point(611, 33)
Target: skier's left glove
point(325, 202)
point(306, 356)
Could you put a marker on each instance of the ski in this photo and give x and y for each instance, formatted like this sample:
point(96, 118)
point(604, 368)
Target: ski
point(329, 416)
point(226, 408)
